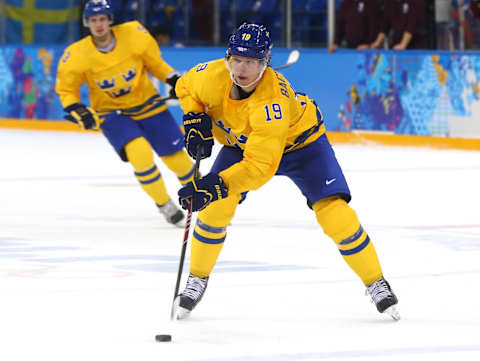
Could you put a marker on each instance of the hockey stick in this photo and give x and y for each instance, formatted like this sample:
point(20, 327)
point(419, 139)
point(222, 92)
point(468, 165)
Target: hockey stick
point(186, 234)
point(292, 59)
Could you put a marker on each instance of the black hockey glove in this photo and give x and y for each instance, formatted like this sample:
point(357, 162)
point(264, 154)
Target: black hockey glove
point(172, 81)
point(84, 116)
point(202, 192)
point(198, 130)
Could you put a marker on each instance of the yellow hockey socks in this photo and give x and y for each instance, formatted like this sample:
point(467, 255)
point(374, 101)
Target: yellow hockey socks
point(340, 223)
point(207, 242)
point(210, 233)
point(140, 155)
point(180, 164)
point(152, 183)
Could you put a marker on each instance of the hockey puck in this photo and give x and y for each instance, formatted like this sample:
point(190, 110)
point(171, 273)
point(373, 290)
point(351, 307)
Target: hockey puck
point(163, 338)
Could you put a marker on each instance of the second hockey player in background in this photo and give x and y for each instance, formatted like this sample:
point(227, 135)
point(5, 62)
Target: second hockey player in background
point(114, 62)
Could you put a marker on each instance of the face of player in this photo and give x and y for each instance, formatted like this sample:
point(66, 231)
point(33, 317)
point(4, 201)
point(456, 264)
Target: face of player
point(99, 25)
point(246, 71)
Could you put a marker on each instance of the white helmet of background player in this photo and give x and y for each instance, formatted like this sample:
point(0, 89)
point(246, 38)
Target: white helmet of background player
point(97, 7)
point(250, 41)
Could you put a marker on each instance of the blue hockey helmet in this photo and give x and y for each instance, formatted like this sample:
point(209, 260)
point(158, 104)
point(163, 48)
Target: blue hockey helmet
point(97, 7)
point(251, 41)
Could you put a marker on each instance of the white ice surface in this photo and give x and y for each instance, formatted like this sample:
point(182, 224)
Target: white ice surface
point(88, 266)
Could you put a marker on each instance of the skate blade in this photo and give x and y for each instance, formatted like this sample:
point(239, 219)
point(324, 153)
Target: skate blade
point(393, 313)
point(179, 224)
point(178, 313)
point(181, 313)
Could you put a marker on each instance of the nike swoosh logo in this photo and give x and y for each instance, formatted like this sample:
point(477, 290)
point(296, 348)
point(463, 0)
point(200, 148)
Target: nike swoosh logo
point(328, 181)
point(176, 141)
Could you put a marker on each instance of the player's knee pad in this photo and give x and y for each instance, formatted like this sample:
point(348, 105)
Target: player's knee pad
point(139, 154)
point(337, 219)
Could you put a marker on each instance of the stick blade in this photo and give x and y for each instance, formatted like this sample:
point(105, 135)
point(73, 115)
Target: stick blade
point(293, 57)
point(174, 309)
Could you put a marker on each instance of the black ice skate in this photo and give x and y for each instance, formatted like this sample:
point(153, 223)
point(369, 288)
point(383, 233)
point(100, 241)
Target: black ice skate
point(172, 213)
point(191, 296)
point(384, 298)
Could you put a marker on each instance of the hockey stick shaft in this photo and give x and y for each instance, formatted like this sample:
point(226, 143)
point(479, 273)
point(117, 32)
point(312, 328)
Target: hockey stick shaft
point(186, 234)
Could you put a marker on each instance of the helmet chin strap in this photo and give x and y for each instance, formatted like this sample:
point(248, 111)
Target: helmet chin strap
point(248, 85)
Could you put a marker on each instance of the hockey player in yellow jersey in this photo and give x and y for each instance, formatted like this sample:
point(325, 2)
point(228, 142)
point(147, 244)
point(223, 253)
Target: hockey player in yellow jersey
point(114, 61)
point(266, 129)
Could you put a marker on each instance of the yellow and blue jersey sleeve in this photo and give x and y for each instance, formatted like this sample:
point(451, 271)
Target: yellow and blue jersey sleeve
point(202, 87)
point(263, 151)
point(70, 76)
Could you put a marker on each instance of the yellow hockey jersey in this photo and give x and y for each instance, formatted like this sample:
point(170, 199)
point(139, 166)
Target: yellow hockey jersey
point(117, 79)
point(271, 121)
